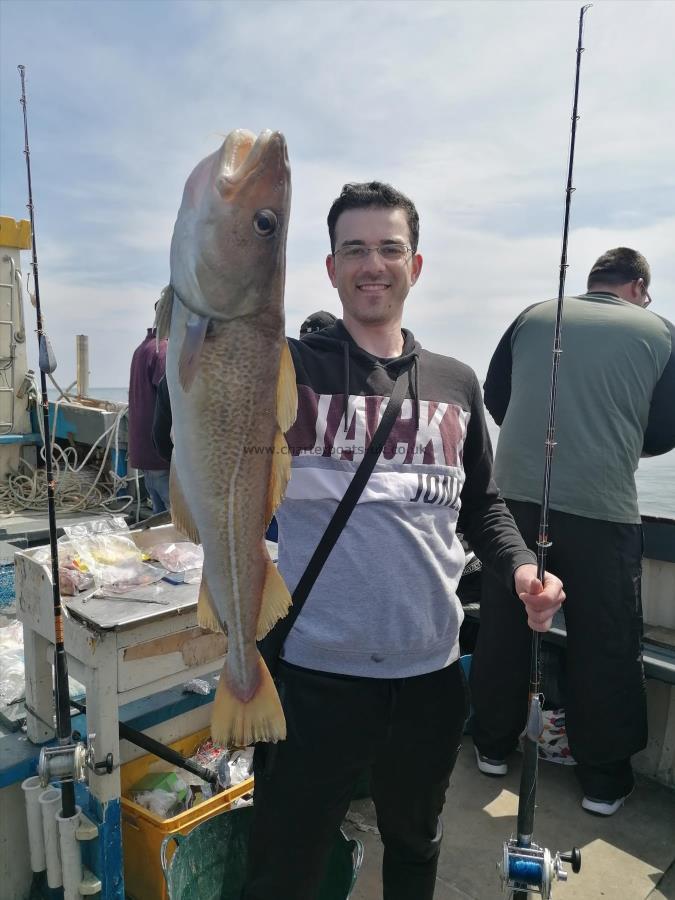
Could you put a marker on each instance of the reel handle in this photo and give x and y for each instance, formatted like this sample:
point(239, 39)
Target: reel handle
point(573, 857)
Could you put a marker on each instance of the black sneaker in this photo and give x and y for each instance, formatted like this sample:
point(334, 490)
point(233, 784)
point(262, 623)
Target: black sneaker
point(603, 807)
point(487, 766)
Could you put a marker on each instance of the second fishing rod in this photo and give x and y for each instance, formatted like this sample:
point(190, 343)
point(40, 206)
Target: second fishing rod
point(527, 868)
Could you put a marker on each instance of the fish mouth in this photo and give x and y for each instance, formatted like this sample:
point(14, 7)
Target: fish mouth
point(244, 155)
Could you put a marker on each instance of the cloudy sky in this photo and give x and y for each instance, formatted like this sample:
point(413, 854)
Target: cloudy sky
point(465, 106)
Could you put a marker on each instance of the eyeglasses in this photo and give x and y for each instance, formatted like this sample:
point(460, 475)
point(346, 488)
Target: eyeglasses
point(388, 252)
point(647, 299)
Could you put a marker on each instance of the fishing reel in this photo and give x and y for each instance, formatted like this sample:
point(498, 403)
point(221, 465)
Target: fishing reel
point(72, 761)
point(533, 869)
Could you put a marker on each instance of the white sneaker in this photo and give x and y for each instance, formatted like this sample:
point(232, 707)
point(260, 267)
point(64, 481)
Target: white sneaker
point(602, 807)
point(489, 766)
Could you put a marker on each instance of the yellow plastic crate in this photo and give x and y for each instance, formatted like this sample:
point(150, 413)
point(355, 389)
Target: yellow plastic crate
point(143, 832)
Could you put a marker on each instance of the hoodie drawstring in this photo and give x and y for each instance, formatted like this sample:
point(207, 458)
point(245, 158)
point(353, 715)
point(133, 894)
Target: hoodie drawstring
point(345, 393)
point(415, 393)
point(413, 366)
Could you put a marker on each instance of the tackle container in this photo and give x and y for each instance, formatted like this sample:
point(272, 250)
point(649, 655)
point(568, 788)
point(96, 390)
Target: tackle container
point(143, 831)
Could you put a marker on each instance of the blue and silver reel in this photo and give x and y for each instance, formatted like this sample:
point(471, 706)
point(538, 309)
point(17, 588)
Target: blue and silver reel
point(533, 869)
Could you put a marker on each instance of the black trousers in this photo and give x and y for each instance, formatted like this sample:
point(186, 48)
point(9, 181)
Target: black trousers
point(406, 731)
point(606, 715)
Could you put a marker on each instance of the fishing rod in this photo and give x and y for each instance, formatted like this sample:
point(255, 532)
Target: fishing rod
point(527, 868)
point(68, 761)
point(47, 364)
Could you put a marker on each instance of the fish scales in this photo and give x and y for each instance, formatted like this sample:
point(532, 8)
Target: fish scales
point(233, 394)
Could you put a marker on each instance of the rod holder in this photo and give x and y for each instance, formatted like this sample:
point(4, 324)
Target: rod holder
point(50, 804)
point(71, 857)
point(32, 788)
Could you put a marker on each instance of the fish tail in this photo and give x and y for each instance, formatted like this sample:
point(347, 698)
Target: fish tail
point(276, 601)
point(239, 722)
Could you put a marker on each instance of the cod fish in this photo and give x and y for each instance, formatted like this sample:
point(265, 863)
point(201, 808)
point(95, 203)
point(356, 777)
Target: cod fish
point(233, 396)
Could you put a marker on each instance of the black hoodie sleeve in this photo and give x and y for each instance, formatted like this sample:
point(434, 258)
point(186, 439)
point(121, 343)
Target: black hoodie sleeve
point(660, 432)
point(484, 517)
point(162, 421)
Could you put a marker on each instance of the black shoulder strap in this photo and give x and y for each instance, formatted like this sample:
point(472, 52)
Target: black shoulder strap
point(272, 644)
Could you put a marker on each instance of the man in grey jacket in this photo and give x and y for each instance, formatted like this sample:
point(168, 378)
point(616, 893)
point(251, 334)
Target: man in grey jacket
point(616, 386)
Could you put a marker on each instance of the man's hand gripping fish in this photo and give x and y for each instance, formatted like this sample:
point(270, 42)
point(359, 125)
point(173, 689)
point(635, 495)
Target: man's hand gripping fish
point(233, 395)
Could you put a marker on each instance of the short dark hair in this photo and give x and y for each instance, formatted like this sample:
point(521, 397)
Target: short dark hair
point(377, 195)
point(619, 266)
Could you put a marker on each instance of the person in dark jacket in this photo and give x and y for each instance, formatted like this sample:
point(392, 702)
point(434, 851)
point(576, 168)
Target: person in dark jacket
point(147, 370)
point(369, 675)
point(317, 322)
point(616, 385)
point(162, 422)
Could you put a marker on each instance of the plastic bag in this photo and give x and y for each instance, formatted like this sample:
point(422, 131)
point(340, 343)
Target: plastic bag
point(105, 548)
point(13, 681)
point(104, 541)
point(163, 793)
point(12, 667)
point(73, 571)
point(197, 686)
point(12, 676)
point(214, 758)
point(178, 557)
point(241, 764)
point(162, 803)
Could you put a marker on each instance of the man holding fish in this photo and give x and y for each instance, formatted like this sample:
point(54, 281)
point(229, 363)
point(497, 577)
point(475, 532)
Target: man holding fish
point(369, 677)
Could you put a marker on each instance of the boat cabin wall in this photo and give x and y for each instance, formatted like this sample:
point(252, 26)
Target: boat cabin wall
point(14, 413)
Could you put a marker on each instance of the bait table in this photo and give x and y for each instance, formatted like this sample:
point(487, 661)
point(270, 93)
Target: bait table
point(120, 649)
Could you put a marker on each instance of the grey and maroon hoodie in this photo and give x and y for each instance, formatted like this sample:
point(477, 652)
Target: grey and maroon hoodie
point(385, 603)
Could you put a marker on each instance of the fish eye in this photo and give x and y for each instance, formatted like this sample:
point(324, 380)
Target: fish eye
point(265, 222)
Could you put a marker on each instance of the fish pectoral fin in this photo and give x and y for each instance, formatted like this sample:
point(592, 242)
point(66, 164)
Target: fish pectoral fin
point(180, 511)
point(191, 350)
point(163, 313)
point(239, 722)
point(287, 390)
point(276, 599)
point(206, 610)
point(279, 475)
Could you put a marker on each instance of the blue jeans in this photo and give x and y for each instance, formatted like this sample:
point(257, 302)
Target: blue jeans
point(157, 486)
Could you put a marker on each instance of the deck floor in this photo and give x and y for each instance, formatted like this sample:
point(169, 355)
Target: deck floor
point(630, 856)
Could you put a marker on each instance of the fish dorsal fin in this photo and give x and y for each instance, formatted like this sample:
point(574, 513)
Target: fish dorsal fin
point(280, 472)
point(180, 511)
point(163, 313)
point(276, 600)
point(287, 391)
point(206, 609)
